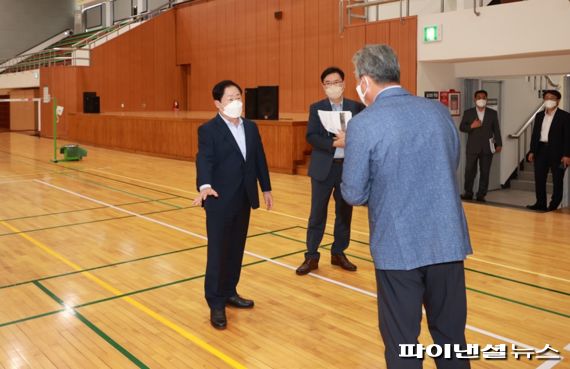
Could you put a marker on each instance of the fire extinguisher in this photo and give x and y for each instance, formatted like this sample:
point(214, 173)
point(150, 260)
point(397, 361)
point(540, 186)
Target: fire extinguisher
point(175, 106)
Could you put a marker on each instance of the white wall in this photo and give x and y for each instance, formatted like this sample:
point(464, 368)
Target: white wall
point(533, 27)
point(26, 79)
point(519, 101)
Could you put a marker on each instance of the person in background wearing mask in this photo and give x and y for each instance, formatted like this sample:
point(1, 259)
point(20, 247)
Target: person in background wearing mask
point(401, 159)
point(550, 150)
point(482, 125)
point(229, 163)
point(325, 170)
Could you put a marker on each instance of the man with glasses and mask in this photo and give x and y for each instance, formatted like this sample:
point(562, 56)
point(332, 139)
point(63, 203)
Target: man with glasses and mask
point(550, 150)
point(229, 164)
point(402, 154)
point(325, 171)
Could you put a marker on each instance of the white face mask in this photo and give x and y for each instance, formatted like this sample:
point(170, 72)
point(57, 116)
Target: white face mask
point(550, 104)
point(481, 103)
point(362, 94)
point(334, 92)
point(233, 109)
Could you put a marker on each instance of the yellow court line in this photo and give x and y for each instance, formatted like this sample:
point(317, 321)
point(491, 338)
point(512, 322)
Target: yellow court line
point(165, 321)
point(329, 225)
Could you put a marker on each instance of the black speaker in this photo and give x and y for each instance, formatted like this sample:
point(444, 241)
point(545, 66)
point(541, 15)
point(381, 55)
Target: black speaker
point(251, 103)
point(268, 102)
point(91, 102)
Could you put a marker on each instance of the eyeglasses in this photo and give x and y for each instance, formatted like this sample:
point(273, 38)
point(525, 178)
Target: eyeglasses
point(333, 83)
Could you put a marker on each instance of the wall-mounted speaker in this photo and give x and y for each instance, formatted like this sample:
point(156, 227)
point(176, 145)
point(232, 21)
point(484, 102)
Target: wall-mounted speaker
point(268, 102)
point(91, 103)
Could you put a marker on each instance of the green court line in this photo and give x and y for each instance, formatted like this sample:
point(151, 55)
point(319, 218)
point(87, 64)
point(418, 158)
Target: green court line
point(180, 281)
point(123, 262)
point(486, 293)
point(31, 318)
point(476, 271)
point(95, 183)
point(86, 209)
point(36, 282)
point(94, 221)
point(101, 267)
point(95, 329)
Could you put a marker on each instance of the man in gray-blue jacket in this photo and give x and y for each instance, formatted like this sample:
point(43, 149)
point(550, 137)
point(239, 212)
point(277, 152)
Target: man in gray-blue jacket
point(401, 157)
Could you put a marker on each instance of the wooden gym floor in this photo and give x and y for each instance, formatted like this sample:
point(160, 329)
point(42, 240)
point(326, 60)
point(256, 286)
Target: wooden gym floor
point(102, 262)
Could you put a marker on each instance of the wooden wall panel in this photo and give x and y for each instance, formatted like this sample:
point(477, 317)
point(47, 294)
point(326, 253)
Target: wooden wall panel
point(285, 57)
point(64, 85)
point(175, 136)
point(243, 41)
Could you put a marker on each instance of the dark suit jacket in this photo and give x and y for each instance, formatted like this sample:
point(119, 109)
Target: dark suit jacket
point(219, 162)
point(321, 140)
point(558, 136)
point(478, 138)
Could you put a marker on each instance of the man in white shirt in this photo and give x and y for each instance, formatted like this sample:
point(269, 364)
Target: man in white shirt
point(550, 150)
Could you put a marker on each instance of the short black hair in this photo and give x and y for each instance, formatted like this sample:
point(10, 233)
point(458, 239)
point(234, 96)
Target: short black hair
point(552, 92)
point(480, 92)
point(331, 70)
point(220, 88)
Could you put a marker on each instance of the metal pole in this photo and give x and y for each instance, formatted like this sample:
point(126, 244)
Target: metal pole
point(407, 8)
point(54, 130)
point(401, 18)
point(341, 16)
point(475, 8)
point(442, 8)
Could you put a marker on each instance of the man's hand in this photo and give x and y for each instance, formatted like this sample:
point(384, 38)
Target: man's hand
point(530, 157)
point(476, 124)
point(268, 197)
point(498, 149)
point(565, 161)
point(339, 139)
point(208, 191)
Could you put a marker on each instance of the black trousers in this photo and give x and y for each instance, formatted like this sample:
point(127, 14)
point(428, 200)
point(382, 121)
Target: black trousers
point(401, 294)
point(485, 161)
point(227, 232)
point(543, 163)
point(320, 196)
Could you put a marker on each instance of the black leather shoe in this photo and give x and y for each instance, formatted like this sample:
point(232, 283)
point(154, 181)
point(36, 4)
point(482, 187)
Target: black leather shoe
point(238, 302)
point(536, 207)
point(481, 199)
point(308, 265)
point(218, 318)
point(467, 196)
point(551, 208)
point(343, 262)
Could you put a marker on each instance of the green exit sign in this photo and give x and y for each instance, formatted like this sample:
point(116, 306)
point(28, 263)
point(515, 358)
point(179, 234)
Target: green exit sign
point(432, 33)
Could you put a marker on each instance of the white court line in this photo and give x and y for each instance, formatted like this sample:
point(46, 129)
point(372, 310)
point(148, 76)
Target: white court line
point(341, 284)
point(518, 269)
point(328, 225)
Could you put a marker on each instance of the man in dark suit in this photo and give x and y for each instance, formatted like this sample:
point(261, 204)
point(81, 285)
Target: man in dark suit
point(550, 150)
point(325, 171)
point(229, 163)
point(482, 127)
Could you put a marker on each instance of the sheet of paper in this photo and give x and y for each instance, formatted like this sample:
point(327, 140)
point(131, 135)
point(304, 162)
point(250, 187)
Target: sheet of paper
point(334, 121)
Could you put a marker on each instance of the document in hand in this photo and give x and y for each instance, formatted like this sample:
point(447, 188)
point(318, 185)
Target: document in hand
point(334, 121)
point(492, 145)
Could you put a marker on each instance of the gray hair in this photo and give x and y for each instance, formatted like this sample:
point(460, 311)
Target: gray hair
point(379, 62)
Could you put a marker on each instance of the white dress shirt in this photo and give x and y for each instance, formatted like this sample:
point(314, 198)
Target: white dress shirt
point(239, 135)
point(546, 123)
